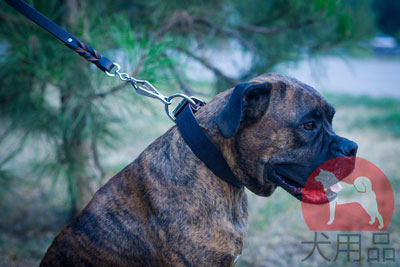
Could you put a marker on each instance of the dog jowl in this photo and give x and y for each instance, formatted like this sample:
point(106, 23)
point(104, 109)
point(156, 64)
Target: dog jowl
point(167, 208)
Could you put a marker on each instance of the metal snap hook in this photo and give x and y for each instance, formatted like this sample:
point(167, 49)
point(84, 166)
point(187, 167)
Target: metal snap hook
point(115, 72)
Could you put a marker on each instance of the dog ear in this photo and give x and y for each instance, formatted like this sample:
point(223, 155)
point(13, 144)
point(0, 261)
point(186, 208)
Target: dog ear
point(249, 101)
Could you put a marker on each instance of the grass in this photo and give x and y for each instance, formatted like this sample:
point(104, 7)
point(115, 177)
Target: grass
point(382, 113)
point(32, 216)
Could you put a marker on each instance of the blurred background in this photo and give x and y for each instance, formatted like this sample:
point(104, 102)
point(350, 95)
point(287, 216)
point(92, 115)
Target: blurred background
point(66, 128)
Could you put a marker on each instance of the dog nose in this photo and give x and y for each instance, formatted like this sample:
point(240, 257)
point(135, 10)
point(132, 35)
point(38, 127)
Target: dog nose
point(345, 147)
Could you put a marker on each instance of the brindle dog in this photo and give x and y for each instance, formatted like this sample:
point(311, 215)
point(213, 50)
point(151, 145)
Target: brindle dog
point(167, 209)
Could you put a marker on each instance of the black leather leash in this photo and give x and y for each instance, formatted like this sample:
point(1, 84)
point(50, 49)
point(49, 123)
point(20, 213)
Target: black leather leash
point(183, 115)
point(68, 39)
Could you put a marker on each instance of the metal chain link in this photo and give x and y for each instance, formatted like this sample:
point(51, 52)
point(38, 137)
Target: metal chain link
point(145, 88)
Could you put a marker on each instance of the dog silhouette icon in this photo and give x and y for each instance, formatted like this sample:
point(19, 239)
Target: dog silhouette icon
point(360, 191)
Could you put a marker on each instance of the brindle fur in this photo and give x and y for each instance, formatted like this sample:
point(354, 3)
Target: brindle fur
point(167, 209)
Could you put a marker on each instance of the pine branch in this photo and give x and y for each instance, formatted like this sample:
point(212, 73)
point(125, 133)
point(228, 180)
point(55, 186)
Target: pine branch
point(209, 66)
point(16, 151)
point(226, 31)
point(183, 18)
point(7, 130)
point(154, 38)
point(276, 29)
point(182, 84)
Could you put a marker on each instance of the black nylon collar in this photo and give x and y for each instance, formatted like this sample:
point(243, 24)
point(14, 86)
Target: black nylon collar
point(202, 146)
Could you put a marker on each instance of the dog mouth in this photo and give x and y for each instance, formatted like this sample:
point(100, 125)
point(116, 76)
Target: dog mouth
point(313, 190)
point(305, 194)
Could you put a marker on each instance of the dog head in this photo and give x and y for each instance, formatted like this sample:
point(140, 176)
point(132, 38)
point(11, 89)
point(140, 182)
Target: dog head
point(276, 130)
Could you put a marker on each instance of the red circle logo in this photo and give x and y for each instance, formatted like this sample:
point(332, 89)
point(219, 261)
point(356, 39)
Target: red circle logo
point(360, 201)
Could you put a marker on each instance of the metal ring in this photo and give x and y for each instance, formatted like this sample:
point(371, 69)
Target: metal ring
point(188, 98)
point(197, 100)
point(170, 115)
point(123, 76)
point(113, 74)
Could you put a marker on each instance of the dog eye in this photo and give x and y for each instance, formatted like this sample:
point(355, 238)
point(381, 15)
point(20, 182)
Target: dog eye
point(309, 126)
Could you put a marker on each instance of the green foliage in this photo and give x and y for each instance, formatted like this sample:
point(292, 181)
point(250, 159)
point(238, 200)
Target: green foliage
point(50, 91)
point(50, 94)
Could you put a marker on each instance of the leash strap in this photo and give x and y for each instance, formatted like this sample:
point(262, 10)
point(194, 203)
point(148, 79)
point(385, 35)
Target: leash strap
point(194, 136)
point(68, 39)
point(202, 146)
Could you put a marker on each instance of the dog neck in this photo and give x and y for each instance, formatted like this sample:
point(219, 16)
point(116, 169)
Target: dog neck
point(192, 176)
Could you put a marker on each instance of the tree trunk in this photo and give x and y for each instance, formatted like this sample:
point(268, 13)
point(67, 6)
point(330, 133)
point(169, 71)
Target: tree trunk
point(76, 151)
point(76, 146)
